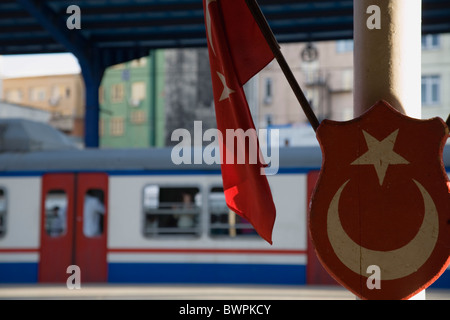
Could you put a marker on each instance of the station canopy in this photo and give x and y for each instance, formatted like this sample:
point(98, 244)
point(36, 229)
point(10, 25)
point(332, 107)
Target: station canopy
point(120, 30)
point(115, 31)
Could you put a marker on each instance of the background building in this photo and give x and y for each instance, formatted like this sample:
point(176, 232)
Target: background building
point(324, 71)
point(132, 103)
point(143, 101)
point(326, 78)
point(188, 91)
point(61, 96)
point(15, 111)
point(435, 76)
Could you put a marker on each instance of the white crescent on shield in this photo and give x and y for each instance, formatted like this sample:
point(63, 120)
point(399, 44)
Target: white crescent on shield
point(393, 264)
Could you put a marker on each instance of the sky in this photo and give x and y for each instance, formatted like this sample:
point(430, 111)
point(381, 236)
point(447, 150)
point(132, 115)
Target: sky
point(14, 66)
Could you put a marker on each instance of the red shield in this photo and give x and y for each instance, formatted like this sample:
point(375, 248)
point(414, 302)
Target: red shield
point(380, 212)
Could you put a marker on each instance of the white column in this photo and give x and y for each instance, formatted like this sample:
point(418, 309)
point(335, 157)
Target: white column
point(387, 61)
point(387, 57)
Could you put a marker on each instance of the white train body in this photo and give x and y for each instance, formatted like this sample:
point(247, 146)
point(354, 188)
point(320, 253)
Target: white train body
point(132, 247)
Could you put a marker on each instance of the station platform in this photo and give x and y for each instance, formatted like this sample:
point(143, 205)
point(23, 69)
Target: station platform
point(184, 292)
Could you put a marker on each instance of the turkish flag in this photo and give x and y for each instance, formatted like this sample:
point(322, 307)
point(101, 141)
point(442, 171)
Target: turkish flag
point(237, 51)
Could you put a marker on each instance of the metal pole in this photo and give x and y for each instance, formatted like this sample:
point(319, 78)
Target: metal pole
point(274, 46)
point(387, 57)
point(92, 79)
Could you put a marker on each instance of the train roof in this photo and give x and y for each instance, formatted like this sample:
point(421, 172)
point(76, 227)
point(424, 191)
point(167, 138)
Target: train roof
point(26, 146)
point(24, 135)
point(135, 159)
point(154, 159)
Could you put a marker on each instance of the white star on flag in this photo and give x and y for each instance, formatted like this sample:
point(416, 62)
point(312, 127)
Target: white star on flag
point(226, 90)
point(237, 51)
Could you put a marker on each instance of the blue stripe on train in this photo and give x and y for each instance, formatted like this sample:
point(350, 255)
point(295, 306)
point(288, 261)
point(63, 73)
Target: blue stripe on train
point(18, 272)
point(443, 282)
point(206, 273)
point(182, 172)
point(21, 272)
point(13, 272)
point(220, 273)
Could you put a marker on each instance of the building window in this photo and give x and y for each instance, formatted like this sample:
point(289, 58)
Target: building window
point(141, 62)
point(430, 41)
point(101, 127)
point(171, 211)
point(116, 126)
point(118, 66)
point(117, 92)
point(223, 221)
point(138, 117)
point(57, 93)
point(37, 94)
point(55, 213)
point(14, 96)
point(101, 95)
point(343, 46)
point(2, 212)
point(268, 91)
point(431, 90)
point(138, 93)
point(268, 120)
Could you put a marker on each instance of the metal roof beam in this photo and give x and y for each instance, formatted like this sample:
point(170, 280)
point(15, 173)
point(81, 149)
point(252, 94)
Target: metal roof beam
point(31, 49)
point(92, 7)
point(56, 26)
point(89, 58)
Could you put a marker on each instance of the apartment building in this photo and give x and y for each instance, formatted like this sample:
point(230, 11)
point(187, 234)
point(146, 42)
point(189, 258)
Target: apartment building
point(144, 100)
point(436, 76)
point(62, 96)
point(324, 71)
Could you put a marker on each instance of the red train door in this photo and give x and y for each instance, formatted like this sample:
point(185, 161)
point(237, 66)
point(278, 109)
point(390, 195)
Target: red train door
point(57, 216)
point(73, 226)
point(315, 272)
point(91, 222)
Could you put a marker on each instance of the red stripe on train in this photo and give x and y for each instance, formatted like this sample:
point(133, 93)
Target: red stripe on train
point(177, 251)
point(19, 250)
point(207, 251)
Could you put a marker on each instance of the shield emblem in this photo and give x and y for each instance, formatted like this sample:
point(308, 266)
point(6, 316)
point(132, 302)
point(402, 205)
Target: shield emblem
point(380, 213)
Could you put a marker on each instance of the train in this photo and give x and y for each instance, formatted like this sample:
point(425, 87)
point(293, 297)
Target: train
point(160, 223)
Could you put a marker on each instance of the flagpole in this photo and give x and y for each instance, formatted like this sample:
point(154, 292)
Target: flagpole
point(275, 47)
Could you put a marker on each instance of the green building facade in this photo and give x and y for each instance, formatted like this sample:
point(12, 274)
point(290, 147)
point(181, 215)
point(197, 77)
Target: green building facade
point(132, 103)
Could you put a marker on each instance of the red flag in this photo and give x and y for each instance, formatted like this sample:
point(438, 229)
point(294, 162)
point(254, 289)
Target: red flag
point(237, 51)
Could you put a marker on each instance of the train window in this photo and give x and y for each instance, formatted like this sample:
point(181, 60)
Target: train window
point(223, 221)
point(93, 213)
point(171, 211)
point(55, 213)
point(2, 212)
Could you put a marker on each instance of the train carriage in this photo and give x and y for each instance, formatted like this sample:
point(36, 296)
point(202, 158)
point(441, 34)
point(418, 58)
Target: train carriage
point(160, 222)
